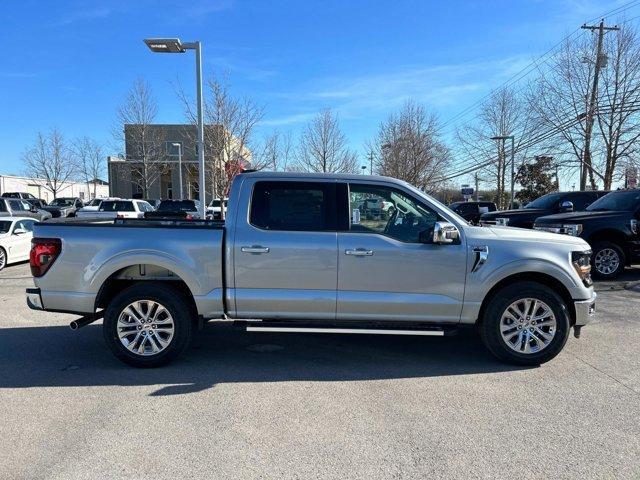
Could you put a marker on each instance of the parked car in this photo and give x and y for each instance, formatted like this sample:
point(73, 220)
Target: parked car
point(90, 208)
point(15, 239)
point(123, 208)
point(609, 225)
point(215, 208)
point(14, 207)
point(21, 195)
point(37, 202)
point(186, 209)
point(376, 208)
point(296, 255)
point(63, 207)
point(549, 204)
point(471, 211)
point(154, 202)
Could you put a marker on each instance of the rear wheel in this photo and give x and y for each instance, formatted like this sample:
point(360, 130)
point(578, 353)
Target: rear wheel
point(3, 258)
point(148, 325)
point(607, 260)
point(525, 323)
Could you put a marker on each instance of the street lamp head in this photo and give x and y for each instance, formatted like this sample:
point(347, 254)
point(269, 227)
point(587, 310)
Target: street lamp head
point(502, 137)
point(165, 45)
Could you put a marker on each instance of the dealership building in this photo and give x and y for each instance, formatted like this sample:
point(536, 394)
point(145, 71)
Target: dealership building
point(38, 188)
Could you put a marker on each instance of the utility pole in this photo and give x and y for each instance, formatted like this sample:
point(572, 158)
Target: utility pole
point(600, 61)
point(476, 178)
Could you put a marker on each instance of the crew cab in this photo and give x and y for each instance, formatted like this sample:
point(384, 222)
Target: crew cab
point(549, 204)
point(609, 225)
point(14, 207)
point(63, 207)
point(295, 254)
point(122, 208)
point(90, 208)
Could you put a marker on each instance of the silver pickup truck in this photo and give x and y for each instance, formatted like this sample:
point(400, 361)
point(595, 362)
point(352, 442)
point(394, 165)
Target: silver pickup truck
point(296, 254)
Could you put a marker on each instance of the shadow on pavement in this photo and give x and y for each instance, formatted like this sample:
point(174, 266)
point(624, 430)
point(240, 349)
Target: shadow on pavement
point(222, 353)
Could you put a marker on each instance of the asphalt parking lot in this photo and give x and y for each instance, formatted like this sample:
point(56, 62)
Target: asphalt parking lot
point(309, 406)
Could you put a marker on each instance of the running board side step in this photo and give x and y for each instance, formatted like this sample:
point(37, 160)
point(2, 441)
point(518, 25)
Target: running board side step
point(283, 327)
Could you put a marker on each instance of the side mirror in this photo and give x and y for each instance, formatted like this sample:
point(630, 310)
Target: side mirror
point(445, 233)
point(19, 231)
point(566, 207)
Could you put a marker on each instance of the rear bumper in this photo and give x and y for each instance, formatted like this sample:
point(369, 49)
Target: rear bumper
point(585, 310)
point(34, 300)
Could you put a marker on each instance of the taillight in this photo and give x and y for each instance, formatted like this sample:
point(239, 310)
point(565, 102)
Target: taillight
point(44, 252)
point(189, 217)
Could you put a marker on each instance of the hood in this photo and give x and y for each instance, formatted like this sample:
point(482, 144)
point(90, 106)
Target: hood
point(576, 217)
point(524, 235)
point(523, 212)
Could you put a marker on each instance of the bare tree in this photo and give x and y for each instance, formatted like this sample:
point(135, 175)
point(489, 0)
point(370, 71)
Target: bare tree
point(230, 123)
point(323, 146)
point(141, 143)
point(90, 160)
point(50, 162)
point(409, 147)
point(274, 153)
point(504, 113)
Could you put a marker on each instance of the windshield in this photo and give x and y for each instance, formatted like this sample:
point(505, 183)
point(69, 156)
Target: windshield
point(118, 206)
point(95, 202)
point(621, 201)
point(5, 226)
point(63, 202)
point(177, 206)
point(546, 201)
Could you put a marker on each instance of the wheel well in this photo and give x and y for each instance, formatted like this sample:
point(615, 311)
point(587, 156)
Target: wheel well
point(538, 277)
point(134, 274)
point(613, 236)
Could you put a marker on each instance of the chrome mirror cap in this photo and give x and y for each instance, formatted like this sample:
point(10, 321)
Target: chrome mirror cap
point(444, 233)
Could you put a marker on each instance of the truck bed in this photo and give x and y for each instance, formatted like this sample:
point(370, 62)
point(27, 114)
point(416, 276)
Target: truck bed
point(94, 253)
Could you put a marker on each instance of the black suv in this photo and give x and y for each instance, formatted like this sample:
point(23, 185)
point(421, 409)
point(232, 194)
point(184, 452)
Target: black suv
point(610, 225)
point(471, 211)
point(559, 202)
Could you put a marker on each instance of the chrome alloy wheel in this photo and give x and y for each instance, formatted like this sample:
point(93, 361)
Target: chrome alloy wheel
point(607, 261)
point(145, 327)
point(528, 325)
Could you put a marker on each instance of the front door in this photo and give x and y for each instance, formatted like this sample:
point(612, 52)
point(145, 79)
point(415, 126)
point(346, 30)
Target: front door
point(285, 253)
point(385, 272)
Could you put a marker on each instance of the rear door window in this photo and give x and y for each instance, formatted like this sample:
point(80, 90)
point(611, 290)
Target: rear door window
point(293, 206)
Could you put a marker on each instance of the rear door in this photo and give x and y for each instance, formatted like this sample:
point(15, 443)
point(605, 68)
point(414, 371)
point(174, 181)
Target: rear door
point(385, 272)
point(285, 251)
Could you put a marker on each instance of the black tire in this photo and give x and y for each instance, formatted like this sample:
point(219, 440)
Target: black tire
point(173, 301)
point(490, 323)
point(3, 258)
point(599, 248)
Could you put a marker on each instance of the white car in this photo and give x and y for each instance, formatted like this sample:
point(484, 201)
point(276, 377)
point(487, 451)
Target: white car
point(15, 239)
point(214, 210)
point(90, 208)
point(123, 208)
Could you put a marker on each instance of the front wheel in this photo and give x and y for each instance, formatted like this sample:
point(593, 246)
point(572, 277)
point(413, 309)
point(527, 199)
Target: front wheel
point(148, 325)
point(607, 260)
point(526, 323)
point(3, 258)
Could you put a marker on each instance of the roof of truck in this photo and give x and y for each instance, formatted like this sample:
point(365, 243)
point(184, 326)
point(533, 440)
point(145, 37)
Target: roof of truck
point(302, 175)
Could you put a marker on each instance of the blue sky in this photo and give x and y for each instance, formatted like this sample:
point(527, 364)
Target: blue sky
point(68, 64)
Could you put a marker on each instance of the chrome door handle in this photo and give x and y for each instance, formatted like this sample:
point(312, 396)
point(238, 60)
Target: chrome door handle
point(255, 249)
point(359, 252)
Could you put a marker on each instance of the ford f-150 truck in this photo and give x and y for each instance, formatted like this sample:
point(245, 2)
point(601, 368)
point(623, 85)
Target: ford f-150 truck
point(296, 254)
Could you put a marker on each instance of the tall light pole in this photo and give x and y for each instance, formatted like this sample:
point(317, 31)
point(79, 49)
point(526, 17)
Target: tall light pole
point(179, 145)
point(174, 45)
point(513, 161)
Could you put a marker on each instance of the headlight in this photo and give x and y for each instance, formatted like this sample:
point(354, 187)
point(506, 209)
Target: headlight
point(502, 221)
point(581, 262)
point(574, 229)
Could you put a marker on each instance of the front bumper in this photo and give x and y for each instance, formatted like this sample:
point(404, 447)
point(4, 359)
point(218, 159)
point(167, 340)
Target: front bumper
point(585, 310)
point(34, 300)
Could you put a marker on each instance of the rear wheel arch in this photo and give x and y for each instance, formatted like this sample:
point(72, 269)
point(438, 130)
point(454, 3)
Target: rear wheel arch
point(117, 282)
point(607, 235)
